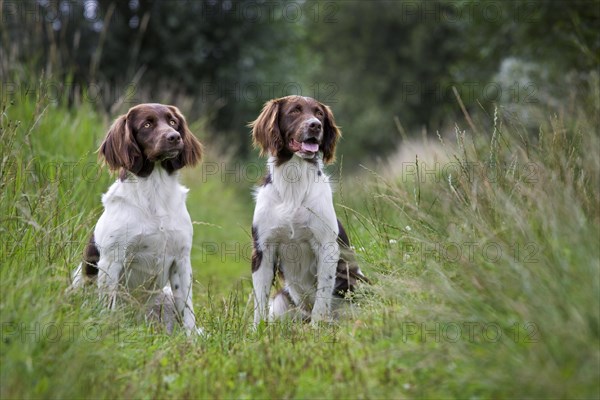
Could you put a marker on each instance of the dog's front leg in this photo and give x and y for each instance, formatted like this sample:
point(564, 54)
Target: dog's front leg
point(181, 284)
point(328, 255)
point(263, 261)
point(109, 273)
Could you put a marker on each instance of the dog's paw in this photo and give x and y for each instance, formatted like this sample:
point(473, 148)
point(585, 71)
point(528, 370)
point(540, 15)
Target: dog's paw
point(320, 314)
point(196, 332)
point(317, 320)
point(201, 333)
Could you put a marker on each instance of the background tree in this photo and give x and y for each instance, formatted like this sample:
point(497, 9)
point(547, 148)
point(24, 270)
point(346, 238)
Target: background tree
point(371, 61)
point(402, 59)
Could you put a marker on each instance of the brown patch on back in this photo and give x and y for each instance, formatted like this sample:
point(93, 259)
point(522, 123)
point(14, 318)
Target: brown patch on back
point(257, 253)
point(267, 180)
point(91, 256)
point(347, 273)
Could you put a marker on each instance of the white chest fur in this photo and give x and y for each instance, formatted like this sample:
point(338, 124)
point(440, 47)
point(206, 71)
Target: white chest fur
point(146, 227)
point(297, 205)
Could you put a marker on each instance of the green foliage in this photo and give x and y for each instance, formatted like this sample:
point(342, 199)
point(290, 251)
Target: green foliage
point(371, 61)
point(491, 257)
point(386, 60)
point(402, 59)
point(559, 33)
point(217, 59)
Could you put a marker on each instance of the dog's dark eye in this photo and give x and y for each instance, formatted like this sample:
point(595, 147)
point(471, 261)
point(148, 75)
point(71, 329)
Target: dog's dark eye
point(147, 125)
point(319, 114)
point(296, 109)
point(173, 122)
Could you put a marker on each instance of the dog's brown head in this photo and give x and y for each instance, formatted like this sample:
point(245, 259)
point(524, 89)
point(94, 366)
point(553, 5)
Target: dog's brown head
point(149, 134)
point(296, 125)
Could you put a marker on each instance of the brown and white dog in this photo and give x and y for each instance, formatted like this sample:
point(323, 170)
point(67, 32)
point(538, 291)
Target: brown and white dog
point(141, 244)
point(295, 229)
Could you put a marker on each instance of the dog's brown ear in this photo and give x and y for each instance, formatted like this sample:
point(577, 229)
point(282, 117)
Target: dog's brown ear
point(265, 129)
point(331, 134)
point(119, 148)
point(192, 148)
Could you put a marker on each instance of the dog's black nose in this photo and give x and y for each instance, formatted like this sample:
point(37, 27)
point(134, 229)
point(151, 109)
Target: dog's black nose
point(173, 137)
point(314, 126)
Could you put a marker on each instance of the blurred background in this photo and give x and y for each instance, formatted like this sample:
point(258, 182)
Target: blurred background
point(387, 68)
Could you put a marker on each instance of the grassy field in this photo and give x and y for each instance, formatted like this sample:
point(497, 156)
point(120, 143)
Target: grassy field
point(485, 269)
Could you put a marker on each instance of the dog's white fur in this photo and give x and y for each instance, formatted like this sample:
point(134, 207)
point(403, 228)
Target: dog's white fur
point(144, 238)
point(296, 228)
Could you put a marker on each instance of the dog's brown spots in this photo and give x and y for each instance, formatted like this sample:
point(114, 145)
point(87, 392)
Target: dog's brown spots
point(347, 272)
point(287, 296)
point(91, 256)
point(267, 180)
point(257, 253)
point(342, 235)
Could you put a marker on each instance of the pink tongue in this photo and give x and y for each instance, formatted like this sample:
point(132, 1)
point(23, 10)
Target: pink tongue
point(312, 147)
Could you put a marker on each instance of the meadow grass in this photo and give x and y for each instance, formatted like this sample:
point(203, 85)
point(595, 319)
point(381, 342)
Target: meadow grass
point(484, 269)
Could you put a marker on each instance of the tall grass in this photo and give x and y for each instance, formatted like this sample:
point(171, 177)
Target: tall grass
point(485, 273)
point(490, 260)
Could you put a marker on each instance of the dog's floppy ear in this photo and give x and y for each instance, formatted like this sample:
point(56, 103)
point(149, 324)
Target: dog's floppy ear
point(192, 148)
point(265, 129)
point(331, 134)
point(119, 148)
